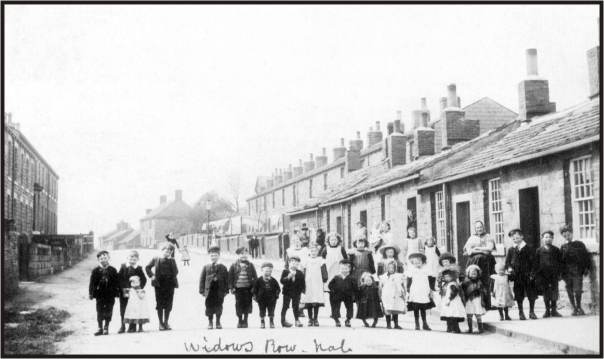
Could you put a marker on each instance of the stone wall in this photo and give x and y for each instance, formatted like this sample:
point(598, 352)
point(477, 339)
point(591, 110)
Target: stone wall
point(10, 280)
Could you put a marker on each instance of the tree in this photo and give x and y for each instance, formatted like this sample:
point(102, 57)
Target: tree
point(219, 208)
point(234, 185)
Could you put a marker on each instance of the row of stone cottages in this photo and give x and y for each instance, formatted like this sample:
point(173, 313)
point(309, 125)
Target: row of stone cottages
point(536, 173)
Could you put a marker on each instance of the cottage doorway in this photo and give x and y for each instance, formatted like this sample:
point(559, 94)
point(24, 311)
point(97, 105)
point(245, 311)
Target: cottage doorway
point(463, 225)
point(528, 200)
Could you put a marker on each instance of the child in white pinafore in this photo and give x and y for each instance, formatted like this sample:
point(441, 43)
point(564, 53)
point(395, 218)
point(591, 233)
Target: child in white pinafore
point(418, 287)
point(137, 310)
point(432, 256)
point(502, 297)
point(393, 293)
point(315, 274)
point(333, 253)
point(452, 309)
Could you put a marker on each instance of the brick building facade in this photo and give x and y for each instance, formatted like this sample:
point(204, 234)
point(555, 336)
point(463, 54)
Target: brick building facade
point(30, 184)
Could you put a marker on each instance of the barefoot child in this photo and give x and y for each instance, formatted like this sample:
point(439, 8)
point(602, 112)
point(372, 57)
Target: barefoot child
point(501, 293)
point(266, 291)
point(473, 291)
point(127, 270)
point(137, 311)
point(418, 287)
point(452, 309)
point(343, 288)
point(104, 287)
point(214, 285)
point(369, 303)
point(393, 293)
point(293, 287)
point(315, 274)
point(242, 275)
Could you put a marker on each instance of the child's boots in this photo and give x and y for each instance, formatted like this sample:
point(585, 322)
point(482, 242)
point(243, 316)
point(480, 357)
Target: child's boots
point(271, 322)
point(122, 328)
point(298, 324)
point(338, 324)
point(388, 322)
point(284, 322)
point(346, 323)
point(262, 325)
point(99, 332)
point(140, 327)
point(395, 319)
point(106, 328)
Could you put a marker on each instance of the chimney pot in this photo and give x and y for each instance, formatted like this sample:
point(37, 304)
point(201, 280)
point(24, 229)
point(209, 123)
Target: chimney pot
point(443, 103)
point(452, 95)
point(324, 151)
point(424, 103)
point(147, 211)
point(377, 126)
point(398, 126)
point(531, 62)
point(399, 115)
point(425, 119)
point(342, 142)
point(178, 195)
point(390, 127)
point(163, 199)
point(358, 135)
point(311, 157)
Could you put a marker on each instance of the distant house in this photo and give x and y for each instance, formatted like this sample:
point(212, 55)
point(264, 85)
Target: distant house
point(109, 241)
point(131, 241)
point(167, 217)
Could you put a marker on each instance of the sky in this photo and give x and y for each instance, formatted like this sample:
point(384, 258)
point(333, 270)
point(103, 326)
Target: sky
point(130, 102)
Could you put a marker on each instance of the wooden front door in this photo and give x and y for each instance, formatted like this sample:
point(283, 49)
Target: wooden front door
point(528, 201)
point(463, 226)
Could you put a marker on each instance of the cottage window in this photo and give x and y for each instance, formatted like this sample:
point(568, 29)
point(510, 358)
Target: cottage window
point(496, 210)
point(440, 219)
point(584, 217)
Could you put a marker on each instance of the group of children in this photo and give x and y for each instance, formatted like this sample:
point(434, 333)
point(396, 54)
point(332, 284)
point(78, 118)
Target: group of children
point(398, 285)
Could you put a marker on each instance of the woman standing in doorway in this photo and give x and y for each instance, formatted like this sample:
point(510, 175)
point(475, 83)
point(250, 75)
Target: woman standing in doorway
point(478, 248)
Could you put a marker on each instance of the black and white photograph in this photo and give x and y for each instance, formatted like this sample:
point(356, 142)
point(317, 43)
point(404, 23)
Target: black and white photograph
point(301, 179)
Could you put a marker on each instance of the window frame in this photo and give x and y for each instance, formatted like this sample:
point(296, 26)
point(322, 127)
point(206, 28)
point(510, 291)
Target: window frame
point(496, 214)
point(441, 224)
point(578, 214)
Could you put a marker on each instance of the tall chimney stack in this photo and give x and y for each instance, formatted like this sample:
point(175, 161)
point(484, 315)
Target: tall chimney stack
point(178, 195)
point(533, 92)
point(357, 144)
point(298, 169)
point(390, 127)
point(321, 160)
point(593, 69)
point(374, 135)
point(163, 199)
point(287, 175)
point(339, 152)
point(309, 165)
point(443, 103)
point(453, 127)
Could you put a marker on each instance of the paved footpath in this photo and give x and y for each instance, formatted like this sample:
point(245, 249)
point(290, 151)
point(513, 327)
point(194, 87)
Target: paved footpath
point(68, 290)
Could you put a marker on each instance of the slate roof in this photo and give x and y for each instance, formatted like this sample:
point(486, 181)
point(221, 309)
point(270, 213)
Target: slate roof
point(132, 237)
point(173, 209)
point(117, 236)
point(518, 142)
point(490, 113)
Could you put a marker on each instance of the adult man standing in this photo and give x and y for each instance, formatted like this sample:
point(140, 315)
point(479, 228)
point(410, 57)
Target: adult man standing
point(576, 261)
point(519, 262)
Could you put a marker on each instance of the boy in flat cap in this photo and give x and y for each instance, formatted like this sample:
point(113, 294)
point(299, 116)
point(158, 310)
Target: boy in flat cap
point(266, 291)
point(242, 276)
point(576, 262)
point(104, 287)
point(520, 264)
point(214, 285)
point(294, 285)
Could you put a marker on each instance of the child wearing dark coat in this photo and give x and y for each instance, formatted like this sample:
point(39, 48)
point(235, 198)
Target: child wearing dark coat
point(577, 263)
point(214, 285)
point(547, 273)
point(164, 280)
point(242, 275)
point(362, 259)
point(104, 287)
point(369, 302)
point(520, 264)
point(294, 285)
point(343, 288)
point(266, 291)
point(127, 270)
